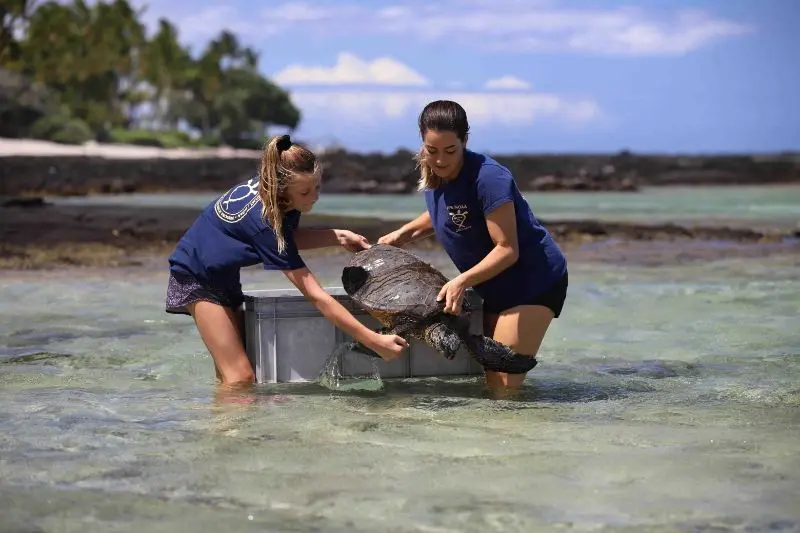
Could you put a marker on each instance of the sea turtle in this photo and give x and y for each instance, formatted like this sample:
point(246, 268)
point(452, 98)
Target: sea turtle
point(399, 289)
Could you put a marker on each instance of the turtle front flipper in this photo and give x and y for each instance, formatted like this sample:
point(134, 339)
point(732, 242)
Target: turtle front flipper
point(443, 339)
point(496, 356)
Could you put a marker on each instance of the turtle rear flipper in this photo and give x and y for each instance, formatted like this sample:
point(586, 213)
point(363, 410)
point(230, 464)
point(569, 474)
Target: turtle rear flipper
point(496, 356)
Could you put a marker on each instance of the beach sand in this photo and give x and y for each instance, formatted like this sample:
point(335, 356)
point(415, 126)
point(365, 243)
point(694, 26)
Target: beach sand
point(33, 147)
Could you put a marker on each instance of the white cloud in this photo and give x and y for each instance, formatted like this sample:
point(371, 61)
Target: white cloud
point(495, 25)
point(507, 82)
point(350, 69)
point(371, 106)
point(297, 12)
point(199, 22)
point(515, 25)
point(376, 102)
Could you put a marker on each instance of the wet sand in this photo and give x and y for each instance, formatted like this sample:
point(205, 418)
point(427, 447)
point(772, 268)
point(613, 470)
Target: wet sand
point(37, 235)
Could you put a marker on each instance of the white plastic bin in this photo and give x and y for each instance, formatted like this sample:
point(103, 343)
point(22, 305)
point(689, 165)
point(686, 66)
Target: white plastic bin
point(289, 340)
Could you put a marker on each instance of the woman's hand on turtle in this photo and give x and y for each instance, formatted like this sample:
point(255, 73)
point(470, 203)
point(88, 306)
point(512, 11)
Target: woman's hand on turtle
point(453, 295)
point(389, 346)
point(352, 242)
point(394, 238)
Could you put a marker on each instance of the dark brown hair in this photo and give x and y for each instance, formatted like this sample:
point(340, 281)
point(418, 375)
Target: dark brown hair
point(439, 115)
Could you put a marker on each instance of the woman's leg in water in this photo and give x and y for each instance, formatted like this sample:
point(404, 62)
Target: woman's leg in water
point(222, 331)
point(522, 328)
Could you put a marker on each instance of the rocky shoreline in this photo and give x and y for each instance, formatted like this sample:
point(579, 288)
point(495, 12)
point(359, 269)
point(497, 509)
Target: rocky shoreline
point(111, 169)
point(38, 235)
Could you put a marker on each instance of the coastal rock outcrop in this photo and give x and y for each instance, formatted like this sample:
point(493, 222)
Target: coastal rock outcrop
point(347, 172)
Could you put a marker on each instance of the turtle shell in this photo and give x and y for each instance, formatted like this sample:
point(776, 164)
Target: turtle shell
point(394, 281)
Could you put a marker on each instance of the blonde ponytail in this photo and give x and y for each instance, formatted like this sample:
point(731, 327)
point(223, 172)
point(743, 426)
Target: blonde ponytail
point(270, 188)
point(281, 161)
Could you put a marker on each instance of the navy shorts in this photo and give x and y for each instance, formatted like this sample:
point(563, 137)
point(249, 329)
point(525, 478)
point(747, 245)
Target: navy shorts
point(553, 298)
point(183, 290)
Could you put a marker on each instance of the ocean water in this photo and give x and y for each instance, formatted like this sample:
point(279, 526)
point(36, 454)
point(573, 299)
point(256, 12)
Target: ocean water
point(666, 400)
point(748, 205)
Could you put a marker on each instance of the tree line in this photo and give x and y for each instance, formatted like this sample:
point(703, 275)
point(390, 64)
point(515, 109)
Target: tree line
point(72, 72)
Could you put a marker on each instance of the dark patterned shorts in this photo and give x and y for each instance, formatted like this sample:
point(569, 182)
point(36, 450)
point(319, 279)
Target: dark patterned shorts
point(184, 290)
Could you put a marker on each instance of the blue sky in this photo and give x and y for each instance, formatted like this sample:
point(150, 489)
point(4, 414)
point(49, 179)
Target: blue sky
point(534, 75)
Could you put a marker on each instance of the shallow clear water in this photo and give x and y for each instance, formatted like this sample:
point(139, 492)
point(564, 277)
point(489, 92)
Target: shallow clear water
point(666, 400)
point(775, 204)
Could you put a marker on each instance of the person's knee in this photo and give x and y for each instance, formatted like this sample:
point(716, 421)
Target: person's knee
point(239, 379)
point(221, 331)
point(523, 328)
point(238, 373)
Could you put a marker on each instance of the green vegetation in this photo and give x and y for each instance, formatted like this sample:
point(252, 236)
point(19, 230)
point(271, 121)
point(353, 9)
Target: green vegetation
point(72, 72)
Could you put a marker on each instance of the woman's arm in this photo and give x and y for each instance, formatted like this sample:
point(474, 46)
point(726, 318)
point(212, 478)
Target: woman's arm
point(419, 228)
point(387, 346)
point(502, 226)
point(306, 239)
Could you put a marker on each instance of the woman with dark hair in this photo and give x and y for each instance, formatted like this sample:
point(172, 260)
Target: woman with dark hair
point(490, 233)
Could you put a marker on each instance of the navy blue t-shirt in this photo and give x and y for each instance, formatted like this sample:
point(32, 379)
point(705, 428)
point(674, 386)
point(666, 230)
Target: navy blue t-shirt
point(458, 211)
point(230, 234)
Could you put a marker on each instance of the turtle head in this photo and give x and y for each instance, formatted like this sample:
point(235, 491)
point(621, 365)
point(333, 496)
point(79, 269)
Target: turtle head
point(353, 278)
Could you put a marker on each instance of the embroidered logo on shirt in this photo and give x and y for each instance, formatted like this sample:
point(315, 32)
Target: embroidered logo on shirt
point(234, 205)
point(458, 216)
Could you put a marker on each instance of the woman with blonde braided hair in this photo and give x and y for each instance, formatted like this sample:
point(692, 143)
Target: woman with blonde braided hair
point(257, 222)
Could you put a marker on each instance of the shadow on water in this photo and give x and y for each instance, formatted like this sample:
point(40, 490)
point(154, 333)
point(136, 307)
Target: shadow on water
point(42, 347)
point(649, 368)
point(31, 356)
point(43, 336)
point(556, 385)
point(442, 393)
